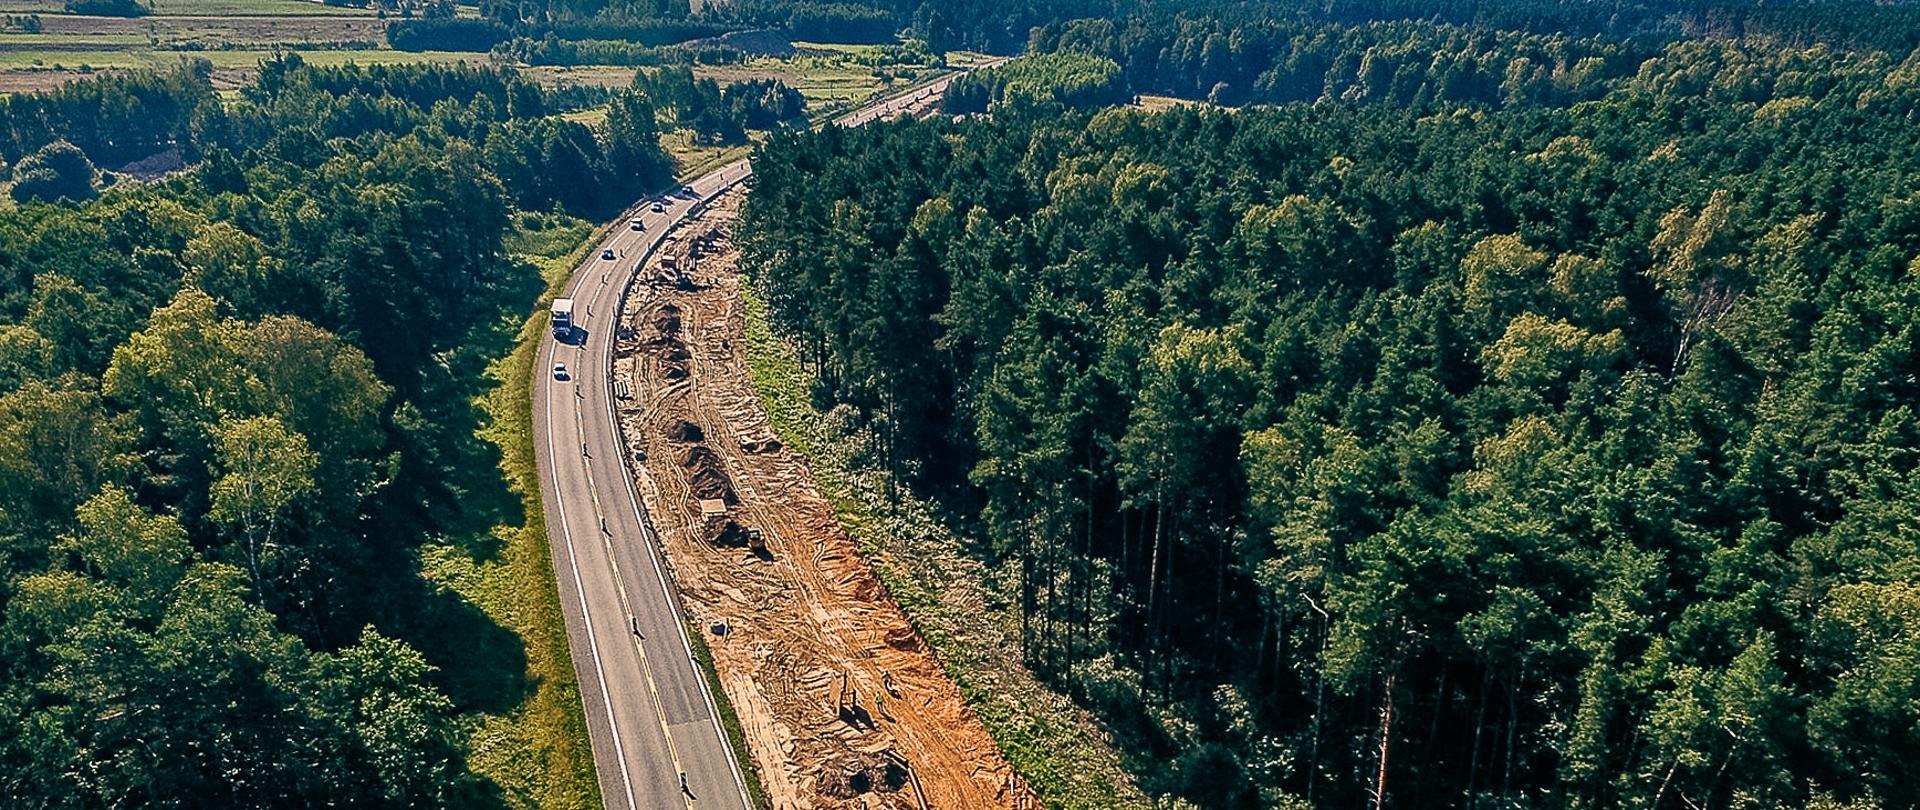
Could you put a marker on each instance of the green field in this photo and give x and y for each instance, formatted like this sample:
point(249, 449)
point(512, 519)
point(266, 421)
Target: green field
point(828, 82)
point(84, 60)
point(46, 41)
point(209, 33)
point(695, 159)
point(234, 35)
point(209, 8)
point(255, 8)
point(38, 69)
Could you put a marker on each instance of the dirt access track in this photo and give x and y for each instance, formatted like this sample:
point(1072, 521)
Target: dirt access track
point(843, 704)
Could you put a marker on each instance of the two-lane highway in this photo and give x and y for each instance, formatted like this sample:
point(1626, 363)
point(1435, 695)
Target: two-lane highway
point(657, 741)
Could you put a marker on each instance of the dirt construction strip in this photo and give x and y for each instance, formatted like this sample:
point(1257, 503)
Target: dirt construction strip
point(843, 704)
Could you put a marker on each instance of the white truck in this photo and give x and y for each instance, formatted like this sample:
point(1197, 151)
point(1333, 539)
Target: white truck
point(562, 318)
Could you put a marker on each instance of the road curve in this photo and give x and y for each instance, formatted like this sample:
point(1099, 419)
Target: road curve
point(657, 740)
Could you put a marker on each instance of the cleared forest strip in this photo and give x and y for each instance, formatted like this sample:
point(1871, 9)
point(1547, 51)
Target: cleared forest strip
point(969, 621)
point(840, 700)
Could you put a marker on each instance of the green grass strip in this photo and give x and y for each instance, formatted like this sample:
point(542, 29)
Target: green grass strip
point(539, 753)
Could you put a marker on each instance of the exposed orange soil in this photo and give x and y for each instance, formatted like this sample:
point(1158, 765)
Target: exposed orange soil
point(842, 702)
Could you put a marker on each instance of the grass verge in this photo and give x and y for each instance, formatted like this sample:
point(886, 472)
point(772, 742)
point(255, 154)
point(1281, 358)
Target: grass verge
point(538, 752)
point(1057, 747)
point(736, 735)
point(692, 159)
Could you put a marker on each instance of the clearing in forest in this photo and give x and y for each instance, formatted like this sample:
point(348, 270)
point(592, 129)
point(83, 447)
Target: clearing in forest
point(842, 703)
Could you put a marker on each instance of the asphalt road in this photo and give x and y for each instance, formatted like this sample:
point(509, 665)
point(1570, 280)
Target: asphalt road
point(657, 740)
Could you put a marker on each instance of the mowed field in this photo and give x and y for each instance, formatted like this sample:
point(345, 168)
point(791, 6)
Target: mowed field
point(234, 35)
point(834, 78)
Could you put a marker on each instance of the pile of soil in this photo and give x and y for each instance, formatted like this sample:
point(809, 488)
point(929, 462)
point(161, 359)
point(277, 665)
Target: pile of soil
point(668, 320)
point(671, 350)
point(761, 446)
point(859, 773)
point(685, 431)
point(152, 167)
point(706, 476)
point(673, 357)
point(758, 42)
point(678, 277)
point(726, 532)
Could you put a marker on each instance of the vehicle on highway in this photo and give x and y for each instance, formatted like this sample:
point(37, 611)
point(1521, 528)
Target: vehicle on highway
point(659, 207)
point(636, 225)
point(687, 191)
point(607, 254)
point(560, 372)
point(562, 318)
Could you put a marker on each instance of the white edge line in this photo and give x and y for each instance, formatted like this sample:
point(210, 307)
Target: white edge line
point(580, 591)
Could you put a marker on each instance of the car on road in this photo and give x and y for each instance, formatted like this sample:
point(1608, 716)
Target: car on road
point(560, 372)
point(659, 207)
point(607, 254)
point(636, 225)
point(687, 191)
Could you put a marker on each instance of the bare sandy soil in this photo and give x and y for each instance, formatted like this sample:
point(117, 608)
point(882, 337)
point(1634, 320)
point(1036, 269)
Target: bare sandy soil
point(842, 702)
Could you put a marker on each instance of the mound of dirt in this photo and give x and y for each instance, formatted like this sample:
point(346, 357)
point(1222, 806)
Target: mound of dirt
point(706, 476)
point(671, 351)
point(673, 356)
point(685, 431)
point(758, 42)
point(726, 532)
point(859, 773)
point(761, 446)
point(668, 320)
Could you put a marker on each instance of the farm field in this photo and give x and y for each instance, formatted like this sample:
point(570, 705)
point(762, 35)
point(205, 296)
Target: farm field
point(208, 32)
point(29, 70)
point(830, 76)
point(236, 35)
point(205, 8)
point(41, 47)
